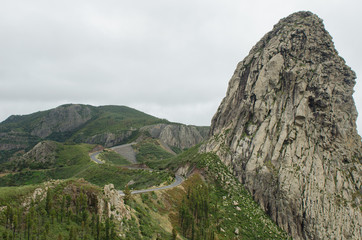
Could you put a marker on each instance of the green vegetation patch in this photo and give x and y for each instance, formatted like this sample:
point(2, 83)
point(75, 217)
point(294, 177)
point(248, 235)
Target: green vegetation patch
point(115, 119)
point(73, 154)
point(150, 150)
point(216, 205)
point(14, 195)
point(100, 175)
point(61, 212)
point(113, 158)
point(104, 174)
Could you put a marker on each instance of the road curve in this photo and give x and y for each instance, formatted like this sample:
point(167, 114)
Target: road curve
point(178, 178)
point(178, 181)
point(94, 155)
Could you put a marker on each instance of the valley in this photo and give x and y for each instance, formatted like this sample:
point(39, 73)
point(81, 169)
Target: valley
point(136, 190)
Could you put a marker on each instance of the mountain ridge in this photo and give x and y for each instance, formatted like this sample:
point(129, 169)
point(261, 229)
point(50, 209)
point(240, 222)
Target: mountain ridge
point(108, 125)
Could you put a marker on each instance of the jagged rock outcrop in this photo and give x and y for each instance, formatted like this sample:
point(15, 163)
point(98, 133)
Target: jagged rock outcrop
point(61, 119)
point(110, 139)
point(287, 129)
point(43, 152)
point(114, 204)
point(42, 155)
point(177, 135)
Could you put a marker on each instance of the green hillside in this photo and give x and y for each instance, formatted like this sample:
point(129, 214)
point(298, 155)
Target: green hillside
point(73, 161)
point(150, 150)
point(103, 119)
point(210, 204)
point(50, 187)
point(72, 123)
point(115, 119)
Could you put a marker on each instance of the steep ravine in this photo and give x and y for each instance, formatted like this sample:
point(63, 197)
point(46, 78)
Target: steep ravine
point(287, 129)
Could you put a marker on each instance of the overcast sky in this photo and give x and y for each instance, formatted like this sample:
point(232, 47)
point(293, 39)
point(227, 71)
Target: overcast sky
point(171, 59)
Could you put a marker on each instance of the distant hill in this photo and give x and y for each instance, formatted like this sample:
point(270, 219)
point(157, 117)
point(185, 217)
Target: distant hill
point(77, 123)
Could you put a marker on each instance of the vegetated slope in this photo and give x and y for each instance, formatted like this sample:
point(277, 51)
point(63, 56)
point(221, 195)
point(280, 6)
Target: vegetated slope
point(211, 204)
point(150, 150)
point(80, 123)
point(116, 125)
point(72, 209)
point(51, 160)
point(105, 125)
point(287, 130)
point(113, 158)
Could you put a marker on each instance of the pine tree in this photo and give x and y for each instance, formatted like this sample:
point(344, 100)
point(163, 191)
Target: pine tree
point(127, 194)
point(107, 229)
point(62, 209)
point(69, 200)
point(48, 202)
point(98, 228)
point(93, 224)
point(174, 234)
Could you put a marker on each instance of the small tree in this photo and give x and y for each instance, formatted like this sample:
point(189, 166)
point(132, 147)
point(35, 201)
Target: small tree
point(174, 234)
point(127, 194)
point(48, 202)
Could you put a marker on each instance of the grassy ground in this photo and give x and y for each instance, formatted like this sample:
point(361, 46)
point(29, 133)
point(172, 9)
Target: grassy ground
point(210, 204)
point(73, 154)
point(15, 194)
point(150, 150)
point(115, 119)
point(113, 158)
point(230, 198)
point(73, 161)
point(105, 174)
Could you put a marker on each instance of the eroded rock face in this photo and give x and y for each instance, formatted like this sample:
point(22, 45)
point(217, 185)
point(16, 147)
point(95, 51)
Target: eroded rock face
point(61, 119)
point(109, 139)
point(115, 205)
point(177, 135)
point(43, 152)
point(287, 129)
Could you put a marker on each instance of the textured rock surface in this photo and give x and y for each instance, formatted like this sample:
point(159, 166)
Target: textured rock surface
point(43, 152)
point(109, 139)
point(114, 206)
point(15, 140)
point(42, 155)
point(177, 135)
point(61, 119)
point(287, 129)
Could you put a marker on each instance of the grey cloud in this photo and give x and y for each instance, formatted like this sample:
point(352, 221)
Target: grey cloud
point(172, 59)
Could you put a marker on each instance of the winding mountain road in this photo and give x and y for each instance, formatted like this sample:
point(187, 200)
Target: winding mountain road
point(178, 178)
point(178, 181)
point(94, 155)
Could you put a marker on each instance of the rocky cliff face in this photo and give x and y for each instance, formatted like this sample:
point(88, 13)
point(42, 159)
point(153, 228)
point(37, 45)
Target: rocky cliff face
point(61, 119)
point(23, 132)
point(43, 152)
point(114, 206)
point(176, 135)
point(110, 139)
point(287, 129)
